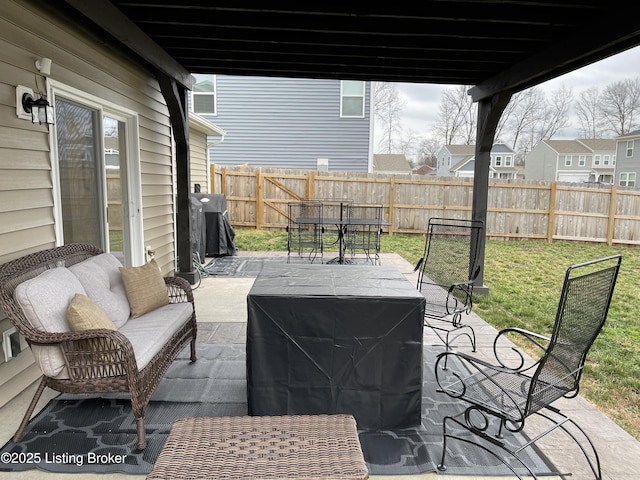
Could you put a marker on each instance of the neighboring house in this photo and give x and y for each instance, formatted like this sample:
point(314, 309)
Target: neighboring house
point(103, 172)
point(288, 122)
point(202, 136)
point(459, 161)
point(582, 160)
point(391, 163)
point(628, 163)
point(423, 170)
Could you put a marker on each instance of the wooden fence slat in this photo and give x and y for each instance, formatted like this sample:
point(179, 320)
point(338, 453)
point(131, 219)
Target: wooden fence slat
point(516, 209)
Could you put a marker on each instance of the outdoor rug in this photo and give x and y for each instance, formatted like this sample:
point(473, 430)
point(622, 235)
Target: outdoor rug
point(76, 433)
point(248, 266)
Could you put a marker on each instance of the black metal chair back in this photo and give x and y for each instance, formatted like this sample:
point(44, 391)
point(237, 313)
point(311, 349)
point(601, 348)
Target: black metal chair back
point(304, 230)
point(362, 235)
point(582, 311)
point(446, 275)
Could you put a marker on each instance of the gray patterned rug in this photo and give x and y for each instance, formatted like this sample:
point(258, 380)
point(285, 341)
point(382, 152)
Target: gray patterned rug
point(77, 433)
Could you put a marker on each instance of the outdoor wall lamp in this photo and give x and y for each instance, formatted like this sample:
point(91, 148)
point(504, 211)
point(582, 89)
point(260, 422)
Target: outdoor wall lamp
point(41, 111)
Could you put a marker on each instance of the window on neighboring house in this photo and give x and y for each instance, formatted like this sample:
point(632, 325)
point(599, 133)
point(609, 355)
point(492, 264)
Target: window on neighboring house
point(567, 160)
point(629, 148)
point(613, 160)
point(606, 160)
point(203, 95)
point(582, 161)
point(508, 161)
point(352, 98)
point(498, 162)
point(596, 160)
point(628, 179)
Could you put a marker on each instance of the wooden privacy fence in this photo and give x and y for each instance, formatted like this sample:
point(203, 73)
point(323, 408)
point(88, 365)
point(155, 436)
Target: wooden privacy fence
point(517, 209)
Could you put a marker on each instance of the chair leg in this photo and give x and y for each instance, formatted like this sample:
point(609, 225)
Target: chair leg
point(20, 432)
point(142, 440)
point(480, 433)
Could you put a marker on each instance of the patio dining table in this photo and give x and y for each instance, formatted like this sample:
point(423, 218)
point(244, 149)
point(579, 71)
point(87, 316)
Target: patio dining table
point(322, 339)
point(341, 223)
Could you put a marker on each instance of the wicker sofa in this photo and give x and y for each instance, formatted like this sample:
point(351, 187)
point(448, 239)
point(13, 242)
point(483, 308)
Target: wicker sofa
point(75, 307)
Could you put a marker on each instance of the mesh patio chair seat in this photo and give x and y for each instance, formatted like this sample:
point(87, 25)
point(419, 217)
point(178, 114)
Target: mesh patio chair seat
point(446, 274)
point(511, 391)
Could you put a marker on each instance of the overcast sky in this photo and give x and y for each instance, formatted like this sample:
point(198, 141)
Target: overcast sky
point(422, 100)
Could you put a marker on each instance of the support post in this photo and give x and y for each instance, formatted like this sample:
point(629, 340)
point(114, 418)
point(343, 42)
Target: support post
point(176, 97)
point(489, 112)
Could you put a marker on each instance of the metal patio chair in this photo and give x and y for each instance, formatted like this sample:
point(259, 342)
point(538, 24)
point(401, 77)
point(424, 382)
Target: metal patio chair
point(447, 271)
point(511, 391)
point(304, 230)
point(362, 233)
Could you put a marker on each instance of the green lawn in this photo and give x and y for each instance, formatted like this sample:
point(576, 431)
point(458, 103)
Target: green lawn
point(524, 280)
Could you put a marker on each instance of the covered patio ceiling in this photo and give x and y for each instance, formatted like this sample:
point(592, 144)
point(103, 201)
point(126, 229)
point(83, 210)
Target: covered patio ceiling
point(494, 45)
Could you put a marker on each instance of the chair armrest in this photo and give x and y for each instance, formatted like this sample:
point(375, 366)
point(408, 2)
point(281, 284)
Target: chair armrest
point(91, 354)
point(178, 289)
point(535, 339)
point(477, 381)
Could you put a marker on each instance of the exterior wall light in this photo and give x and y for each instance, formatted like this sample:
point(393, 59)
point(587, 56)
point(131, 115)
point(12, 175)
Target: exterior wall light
point(41, 111)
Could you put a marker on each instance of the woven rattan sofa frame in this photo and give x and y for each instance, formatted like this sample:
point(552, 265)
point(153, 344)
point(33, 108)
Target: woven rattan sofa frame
point(98, 361)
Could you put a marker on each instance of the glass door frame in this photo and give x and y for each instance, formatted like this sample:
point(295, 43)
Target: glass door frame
point(131, 178)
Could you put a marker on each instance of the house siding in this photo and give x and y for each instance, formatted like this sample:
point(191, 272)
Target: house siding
point(626, 164)
point(27, 222)
point(288, 123)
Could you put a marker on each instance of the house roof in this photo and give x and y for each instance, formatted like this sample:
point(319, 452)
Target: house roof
point(383, 162)
point(599, 144)
point(635, 133)
point(567, 146)
point(509, 45)
point(461, 149)
point(462, 163)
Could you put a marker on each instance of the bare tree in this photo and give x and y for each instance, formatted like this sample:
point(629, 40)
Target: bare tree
point(620, 104)
point(589, 114)
point(428, 151)
point(530, 116)
point(388, 107)
point(457, 117)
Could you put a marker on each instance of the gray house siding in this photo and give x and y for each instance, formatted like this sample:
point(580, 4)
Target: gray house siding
point(541, 163)
point(627, 165)
point(289, 123)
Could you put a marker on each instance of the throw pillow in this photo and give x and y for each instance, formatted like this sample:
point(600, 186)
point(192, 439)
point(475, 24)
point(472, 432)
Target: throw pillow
point(84, 314)
point(145, 288)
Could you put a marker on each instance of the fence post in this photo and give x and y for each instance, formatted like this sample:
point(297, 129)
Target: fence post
point(552, 210)
point(612, 215)
point(259, 200)
point(392, 196)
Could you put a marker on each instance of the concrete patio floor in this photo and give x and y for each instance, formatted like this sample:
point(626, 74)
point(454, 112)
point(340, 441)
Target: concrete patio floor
point(222, 314)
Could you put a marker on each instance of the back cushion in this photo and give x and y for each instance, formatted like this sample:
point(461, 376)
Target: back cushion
point(44, 301)
point(100, 276)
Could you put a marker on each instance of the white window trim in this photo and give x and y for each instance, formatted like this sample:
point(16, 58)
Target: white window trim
point(629, 148)
point(343, 96)
point(215, 98)
point(134, 186)
point(568, 160)
point(596, 160)
point(582, 160)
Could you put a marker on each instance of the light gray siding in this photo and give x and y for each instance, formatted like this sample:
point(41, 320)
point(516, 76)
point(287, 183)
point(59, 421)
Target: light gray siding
point(541, 163)
point(626, 165)
point(288, 123)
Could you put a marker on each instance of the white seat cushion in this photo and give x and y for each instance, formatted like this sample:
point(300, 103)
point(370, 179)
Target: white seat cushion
point(151, 331)
point(100, 276)
point(44, 301)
